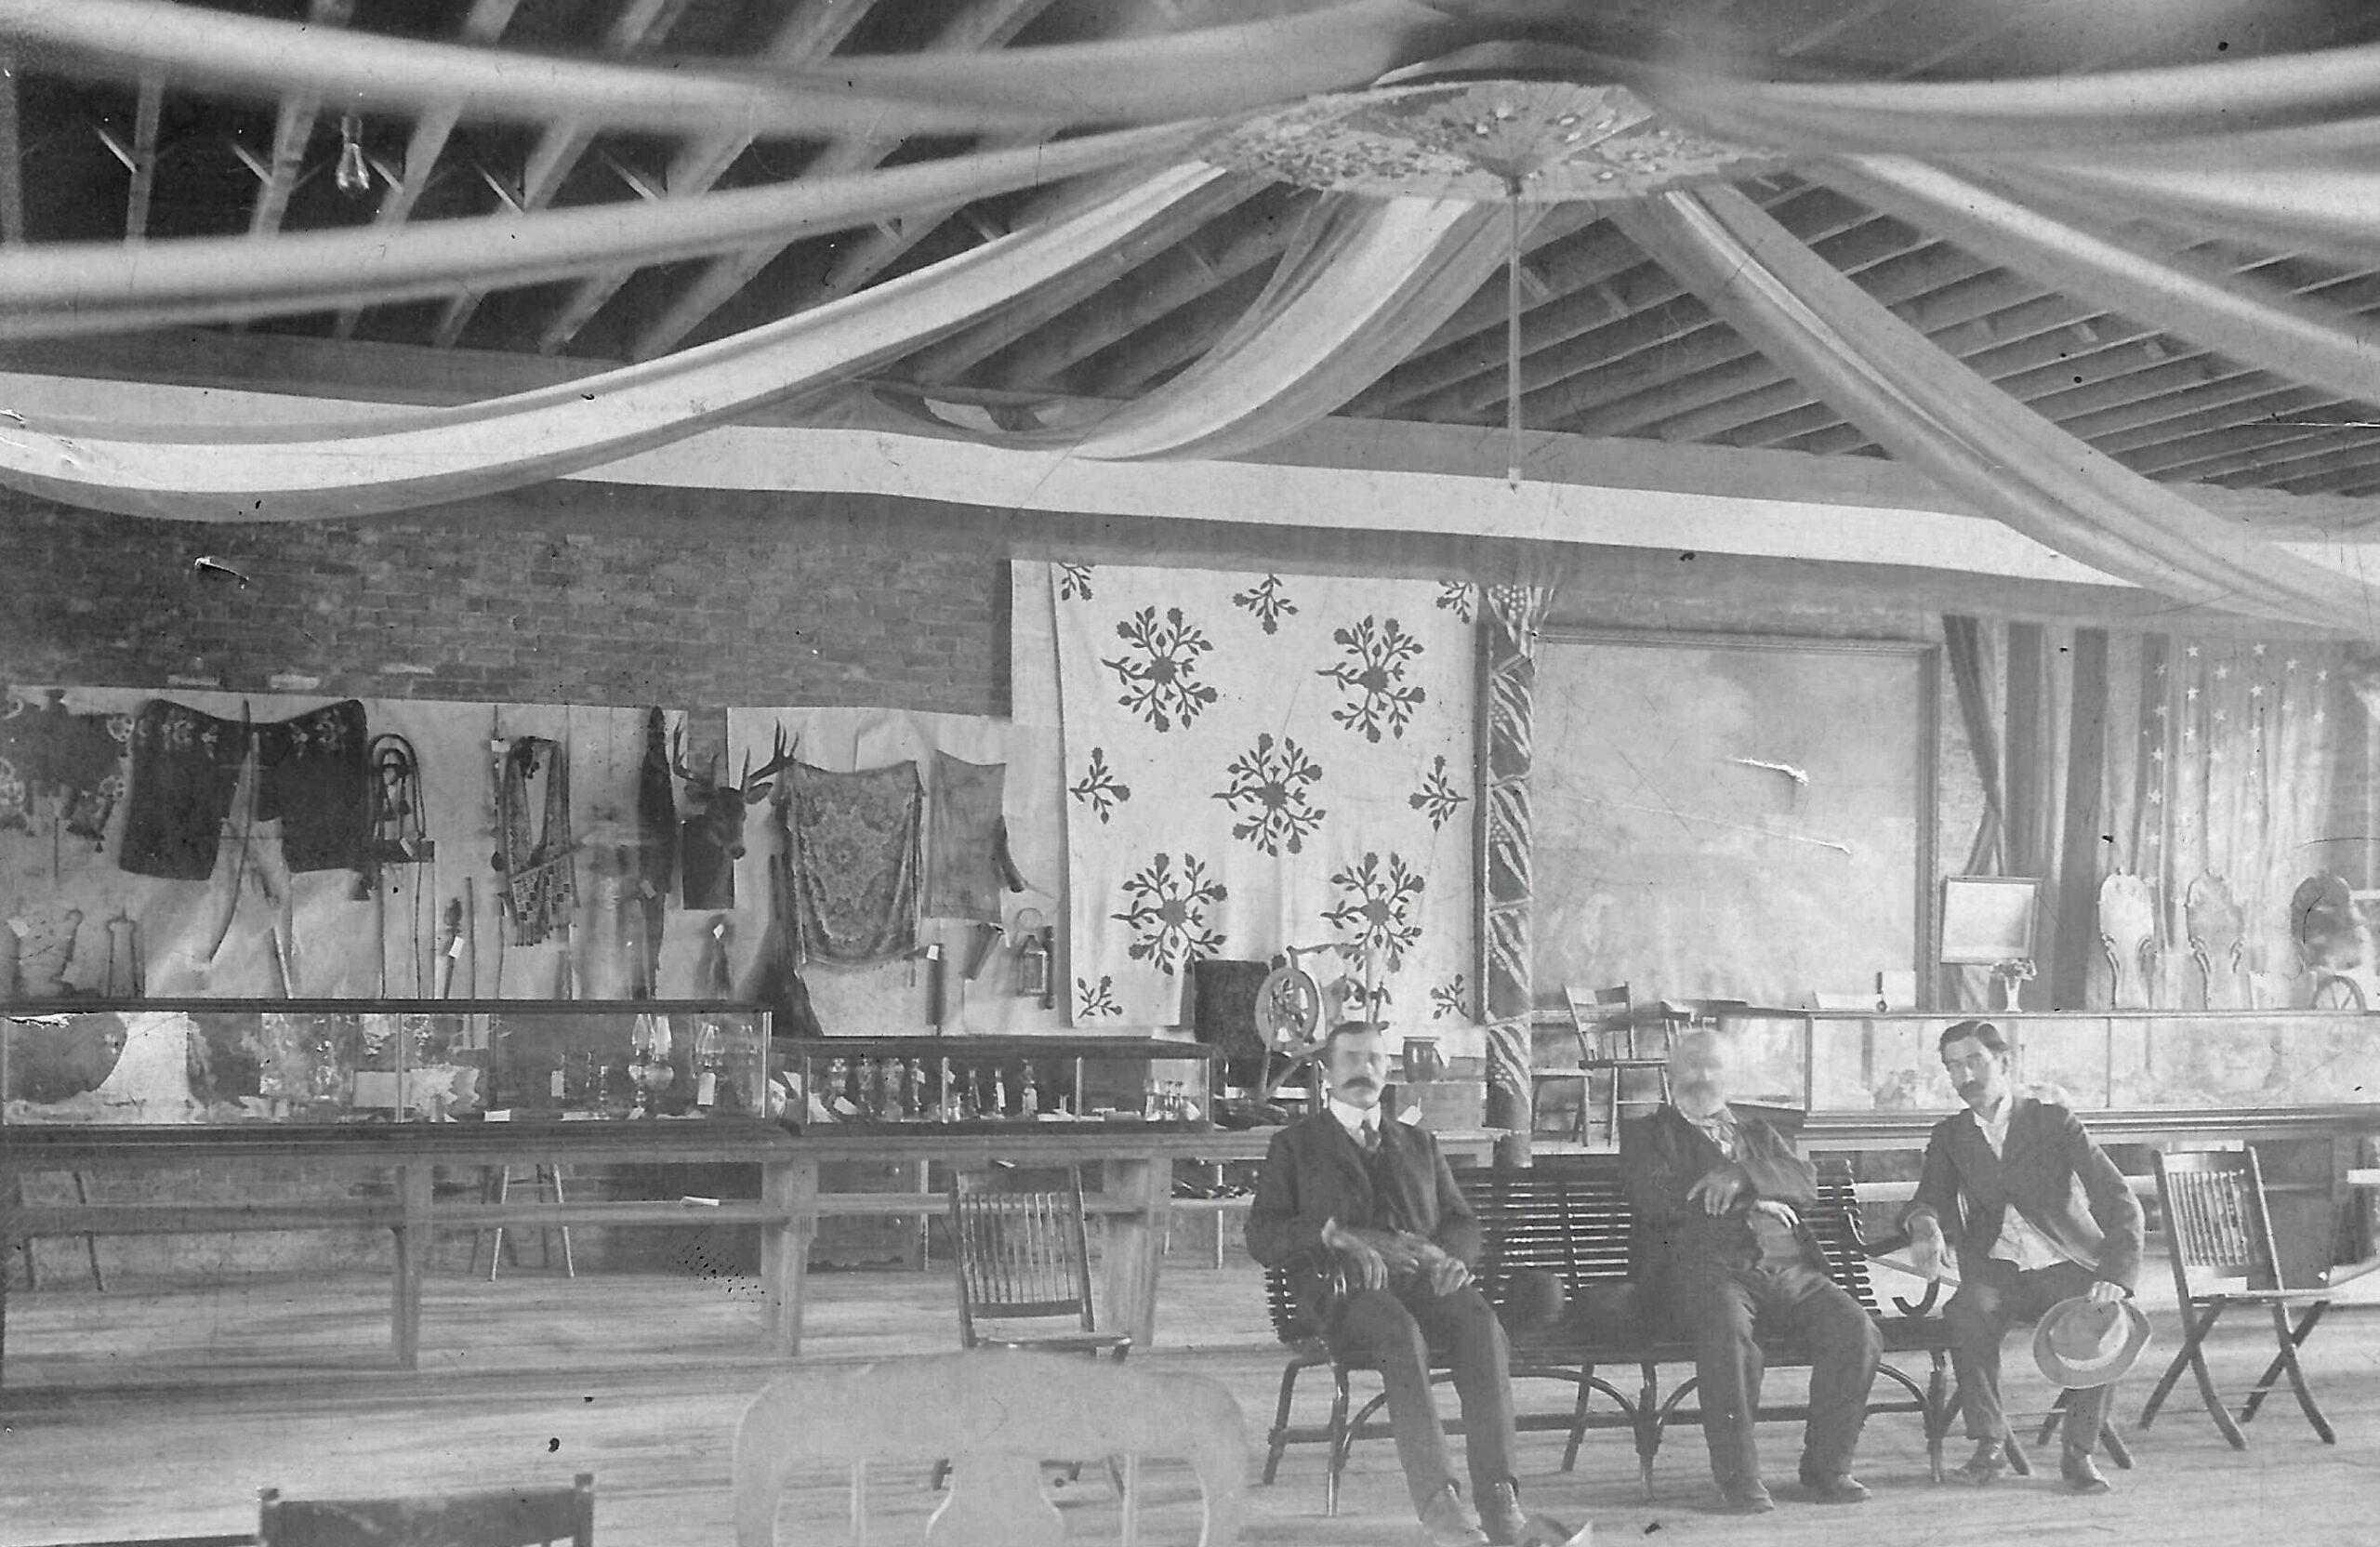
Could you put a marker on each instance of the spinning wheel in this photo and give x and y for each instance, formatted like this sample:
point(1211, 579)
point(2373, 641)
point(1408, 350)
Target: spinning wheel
point(1289, 1017)
point(2333, 941)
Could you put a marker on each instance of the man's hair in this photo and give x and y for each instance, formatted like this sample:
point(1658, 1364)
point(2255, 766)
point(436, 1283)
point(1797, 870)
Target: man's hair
point(1351, 1028)
point(1982, 1031)
point(1691, 1036)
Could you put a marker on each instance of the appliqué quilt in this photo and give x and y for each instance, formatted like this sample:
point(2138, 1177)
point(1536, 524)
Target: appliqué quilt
point(1255, 762)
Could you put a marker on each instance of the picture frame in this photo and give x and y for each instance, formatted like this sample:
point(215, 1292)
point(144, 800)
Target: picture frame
point(1988, 919)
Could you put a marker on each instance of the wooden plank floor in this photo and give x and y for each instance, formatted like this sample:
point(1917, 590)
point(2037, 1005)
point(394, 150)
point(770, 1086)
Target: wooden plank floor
point(159, 1410)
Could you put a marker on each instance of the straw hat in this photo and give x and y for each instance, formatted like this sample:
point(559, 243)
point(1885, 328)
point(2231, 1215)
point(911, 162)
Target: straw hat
point(2083, 1342)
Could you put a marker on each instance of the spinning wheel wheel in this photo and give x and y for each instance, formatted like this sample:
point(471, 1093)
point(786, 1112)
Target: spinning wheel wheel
point(1288, 1011)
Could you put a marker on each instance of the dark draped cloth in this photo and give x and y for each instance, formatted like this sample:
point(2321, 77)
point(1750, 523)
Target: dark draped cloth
point(537, 854)
point(856, 859)
point(968, 840)
point(314, 776)
point(77, 758)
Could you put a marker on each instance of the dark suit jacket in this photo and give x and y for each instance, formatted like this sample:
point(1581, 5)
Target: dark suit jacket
point(1314, 1170)
point(1662, 1155)
point(2053, 1172)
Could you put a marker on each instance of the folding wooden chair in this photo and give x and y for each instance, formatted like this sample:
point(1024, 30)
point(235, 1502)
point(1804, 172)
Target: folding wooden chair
point(2222, 1246)
point(491, 1517)
point(1025, 1256)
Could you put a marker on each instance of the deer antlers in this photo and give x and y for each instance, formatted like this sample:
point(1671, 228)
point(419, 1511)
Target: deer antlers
point(753, 787)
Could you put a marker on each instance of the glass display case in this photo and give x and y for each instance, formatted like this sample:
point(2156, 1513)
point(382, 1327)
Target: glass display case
point(345, 1061)
point(986, 1084)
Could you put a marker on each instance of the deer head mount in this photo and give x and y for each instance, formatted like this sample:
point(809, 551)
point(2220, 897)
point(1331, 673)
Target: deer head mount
point(711, 839)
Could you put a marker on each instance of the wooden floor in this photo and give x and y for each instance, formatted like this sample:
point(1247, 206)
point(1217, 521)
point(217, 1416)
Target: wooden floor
point(159, 1410)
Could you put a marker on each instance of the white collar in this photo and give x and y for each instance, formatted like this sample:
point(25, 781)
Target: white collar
point(2001, 1114)
point(1354, 1120)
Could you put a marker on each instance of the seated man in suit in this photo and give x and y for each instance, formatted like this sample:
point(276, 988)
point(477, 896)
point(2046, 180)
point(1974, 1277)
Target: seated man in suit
point(1343, 1190)
point(2005, 1173)
point(1718, 1199)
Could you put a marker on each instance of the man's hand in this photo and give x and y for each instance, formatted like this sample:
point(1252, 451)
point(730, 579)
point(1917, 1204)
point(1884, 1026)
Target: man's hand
point(1781, 1212)
point(1927, 1247)
point(1719, 1190)
point(1364, 1263)
point(1445, 1272)
point(2103, 1289)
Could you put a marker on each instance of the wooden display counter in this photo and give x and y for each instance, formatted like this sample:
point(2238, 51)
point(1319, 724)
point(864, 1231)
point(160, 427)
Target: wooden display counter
point(1128, 1173)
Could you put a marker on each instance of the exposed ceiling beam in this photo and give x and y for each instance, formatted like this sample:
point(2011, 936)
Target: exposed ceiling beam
point(145, 114)
point(293, 127)
point(867, 253)
point(811, 31)
point(486, 24)
point(640, 25)
point(1149, 356)
point(982, 24)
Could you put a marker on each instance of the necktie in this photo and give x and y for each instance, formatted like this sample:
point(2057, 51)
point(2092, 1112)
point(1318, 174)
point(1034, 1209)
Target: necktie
point(1368, 1137)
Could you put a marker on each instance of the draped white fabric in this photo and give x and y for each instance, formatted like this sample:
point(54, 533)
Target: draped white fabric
point(1930, 410)
point(71, 287)
point(381, 463)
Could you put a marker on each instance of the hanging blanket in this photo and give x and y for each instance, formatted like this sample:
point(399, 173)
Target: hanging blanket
point(856, 862)
point(964, 855)
point(46, 751)
point(540, 878)
point(314, 776)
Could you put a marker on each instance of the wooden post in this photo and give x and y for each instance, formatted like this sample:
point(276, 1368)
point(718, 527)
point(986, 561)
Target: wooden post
point(1136, 1240)
point(1509, 619)
point(789, 1186)
point(413, 1241)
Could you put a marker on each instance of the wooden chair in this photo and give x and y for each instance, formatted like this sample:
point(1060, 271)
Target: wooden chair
point(1025, 1256)
point(2219, 934)
point(491, 1517)
point(2221, 1241)
point(1612, 1031)
point(995, 1412)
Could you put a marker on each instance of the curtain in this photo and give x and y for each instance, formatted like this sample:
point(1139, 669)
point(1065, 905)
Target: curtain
point(1261, 762)
point(1976, 684)
point(2220, 787)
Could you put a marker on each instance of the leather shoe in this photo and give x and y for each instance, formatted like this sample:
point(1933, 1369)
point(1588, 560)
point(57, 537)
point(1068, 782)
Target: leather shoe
point(1448, 1523)
point(1499, 1513)
point(1745, 1499)
point(1988, 1465)
point(1838, 1487)
point(2082, 1474)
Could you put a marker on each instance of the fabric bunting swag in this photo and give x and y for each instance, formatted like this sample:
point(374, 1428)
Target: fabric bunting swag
point(393, 462)
point(1931, 411)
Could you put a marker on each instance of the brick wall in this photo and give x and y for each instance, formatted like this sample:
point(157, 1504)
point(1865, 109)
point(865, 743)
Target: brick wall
point(573, 593)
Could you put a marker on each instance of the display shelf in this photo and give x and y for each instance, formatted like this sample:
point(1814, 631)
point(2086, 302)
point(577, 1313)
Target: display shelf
point(961, 1085)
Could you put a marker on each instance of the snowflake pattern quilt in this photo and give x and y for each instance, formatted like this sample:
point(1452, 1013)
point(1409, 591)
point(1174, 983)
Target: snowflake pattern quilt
point(1256, 762)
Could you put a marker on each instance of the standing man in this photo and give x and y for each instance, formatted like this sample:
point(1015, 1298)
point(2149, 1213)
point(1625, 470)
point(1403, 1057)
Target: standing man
point(1367, 1217)
point(1718, 1199)
point(2043, 1215)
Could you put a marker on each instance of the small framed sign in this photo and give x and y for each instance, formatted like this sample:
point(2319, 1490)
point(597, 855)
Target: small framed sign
point(1987, 920)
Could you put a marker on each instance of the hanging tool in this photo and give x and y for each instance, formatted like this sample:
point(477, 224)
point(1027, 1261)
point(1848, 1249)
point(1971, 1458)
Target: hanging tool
point(450, 946)
point(126, 979)
point(470, 938)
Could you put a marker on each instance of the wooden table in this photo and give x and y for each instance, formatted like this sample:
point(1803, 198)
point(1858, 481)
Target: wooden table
point(1128, 1172)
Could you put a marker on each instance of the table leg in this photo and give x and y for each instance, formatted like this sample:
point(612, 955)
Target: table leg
point(1136, 1241)
point(413, 1246)
point(791, 1188)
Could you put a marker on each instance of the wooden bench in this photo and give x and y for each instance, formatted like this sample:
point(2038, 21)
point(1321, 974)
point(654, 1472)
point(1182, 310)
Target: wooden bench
point(1571, 1219)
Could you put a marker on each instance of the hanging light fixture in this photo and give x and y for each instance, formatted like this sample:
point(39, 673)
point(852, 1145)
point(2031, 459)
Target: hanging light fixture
point(354, 174)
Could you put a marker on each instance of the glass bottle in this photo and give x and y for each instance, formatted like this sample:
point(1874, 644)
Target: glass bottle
point(999, 1094)
point(1028, 1095)
point(707, 1059)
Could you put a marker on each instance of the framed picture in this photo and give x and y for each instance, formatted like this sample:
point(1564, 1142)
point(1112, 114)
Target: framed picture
point(1989, 919)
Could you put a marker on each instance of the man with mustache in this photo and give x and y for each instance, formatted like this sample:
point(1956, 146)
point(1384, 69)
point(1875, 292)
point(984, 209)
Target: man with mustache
point(1719, 1199)
point(2043, 1215)
point(1366, 1217)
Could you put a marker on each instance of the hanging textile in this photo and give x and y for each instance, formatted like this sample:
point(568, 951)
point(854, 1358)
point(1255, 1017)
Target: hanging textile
point(656, 841)
point(968, 840)
point(314, 776)
point(1258, 762)
point(856, 859)
point(48, 754)
point(536, 851)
